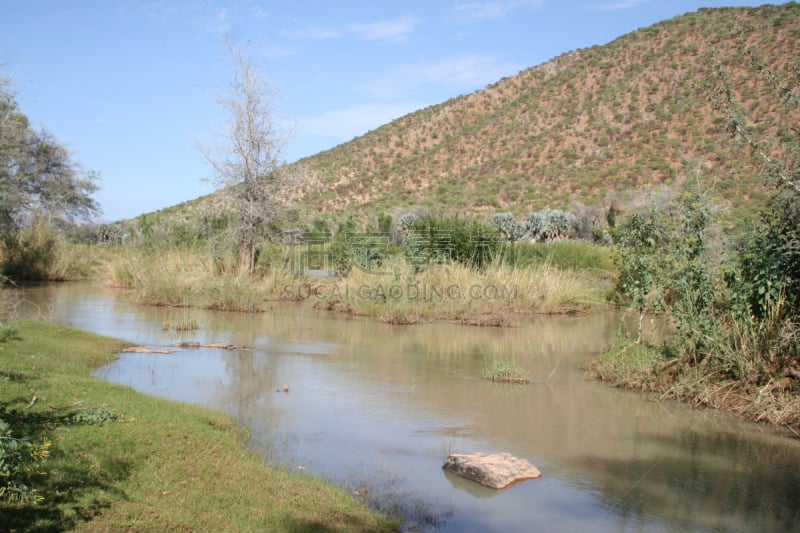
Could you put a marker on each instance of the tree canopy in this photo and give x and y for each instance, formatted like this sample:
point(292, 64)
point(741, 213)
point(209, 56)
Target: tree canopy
point(38, 177)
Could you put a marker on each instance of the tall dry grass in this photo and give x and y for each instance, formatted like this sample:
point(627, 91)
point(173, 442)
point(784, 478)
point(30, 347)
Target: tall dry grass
point(456, 292)
point(73, 261)
point(191, 277)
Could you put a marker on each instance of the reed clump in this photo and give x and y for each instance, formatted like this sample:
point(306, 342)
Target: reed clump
point(186, 276)
point(505, 371)
point(181, 322)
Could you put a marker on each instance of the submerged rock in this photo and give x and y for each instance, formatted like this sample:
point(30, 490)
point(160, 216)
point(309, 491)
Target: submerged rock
point(497, 471)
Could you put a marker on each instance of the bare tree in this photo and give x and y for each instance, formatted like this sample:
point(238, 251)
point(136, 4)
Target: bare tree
point(256, 186)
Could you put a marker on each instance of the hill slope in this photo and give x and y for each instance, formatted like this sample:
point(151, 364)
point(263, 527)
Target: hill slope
point(581, 127)
point(591, 127)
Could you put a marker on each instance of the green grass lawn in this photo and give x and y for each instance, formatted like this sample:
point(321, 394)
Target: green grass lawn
point(121, 460)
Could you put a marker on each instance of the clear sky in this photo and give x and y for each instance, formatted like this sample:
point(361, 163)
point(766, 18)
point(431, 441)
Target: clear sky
point(131, 87)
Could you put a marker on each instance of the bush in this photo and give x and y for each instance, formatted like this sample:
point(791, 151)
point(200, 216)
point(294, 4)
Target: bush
point(551, 224)
point(20, 461)
point(469, 242)
point(509, 227)
point(640, 255)
point(399, 228)
point(29, 255)
point(769, 266)
point(7, 333)
point(543, 226)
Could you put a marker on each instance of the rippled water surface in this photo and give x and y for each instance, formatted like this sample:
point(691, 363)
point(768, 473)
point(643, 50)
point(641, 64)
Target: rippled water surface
point(378, 407)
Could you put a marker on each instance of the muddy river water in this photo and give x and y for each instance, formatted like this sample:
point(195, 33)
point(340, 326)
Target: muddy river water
point(377, 408)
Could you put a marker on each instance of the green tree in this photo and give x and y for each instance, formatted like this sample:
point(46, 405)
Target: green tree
point(41, 188)
point(37, 175)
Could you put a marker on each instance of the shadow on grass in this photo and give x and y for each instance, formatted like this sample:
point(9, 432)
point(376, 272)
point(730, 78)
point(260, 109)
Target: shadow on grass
point(697, 480)
point(66, 488)
point(313, 526)
point(10, 375)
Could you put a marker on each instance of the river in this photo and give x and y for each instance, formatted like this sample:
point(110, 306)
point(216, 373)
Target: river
point(377, 408)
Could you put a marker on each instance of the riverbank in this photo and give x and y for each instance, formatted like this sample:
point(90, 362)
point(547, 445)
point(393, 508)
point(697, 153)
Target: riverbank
point(650, 369)
point(121, 460)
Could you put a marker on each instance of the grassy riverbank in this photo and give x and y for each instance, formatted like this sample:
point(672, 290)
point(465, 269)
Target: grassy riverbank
point(121, 460)
point(742, 382)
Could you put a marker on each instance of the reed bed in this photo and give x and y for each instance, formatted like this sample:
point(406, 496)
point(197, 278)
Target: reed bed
point(193, 277)
point(74, 262)
point(455, 292)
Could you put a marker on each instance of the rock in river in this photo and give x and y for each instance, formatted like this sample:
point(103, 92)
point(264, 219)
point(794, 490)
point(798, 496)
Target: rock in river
point(497, 471)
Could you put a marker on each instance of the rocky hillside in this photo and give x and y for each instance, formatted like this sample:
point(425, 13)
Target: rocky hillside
point(589, 126)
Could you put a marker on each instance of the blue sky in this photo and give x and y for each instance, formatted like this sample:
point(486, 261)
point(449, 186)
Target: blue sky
point(131, 87)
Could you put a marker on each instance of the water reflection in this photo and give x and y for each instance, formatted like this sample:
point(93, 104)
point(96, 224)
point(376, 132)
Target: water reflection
point(714, 479)
point(372, 404)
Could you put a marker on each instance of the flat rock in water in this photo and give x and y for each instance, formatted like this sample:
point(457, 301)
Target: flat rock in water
point(218, 345)
point(141, 349)
point(497, 471)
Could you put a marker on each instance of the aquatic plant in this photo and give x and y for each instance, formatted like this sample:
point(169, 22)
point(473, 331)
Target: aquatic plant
point(505, 371)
